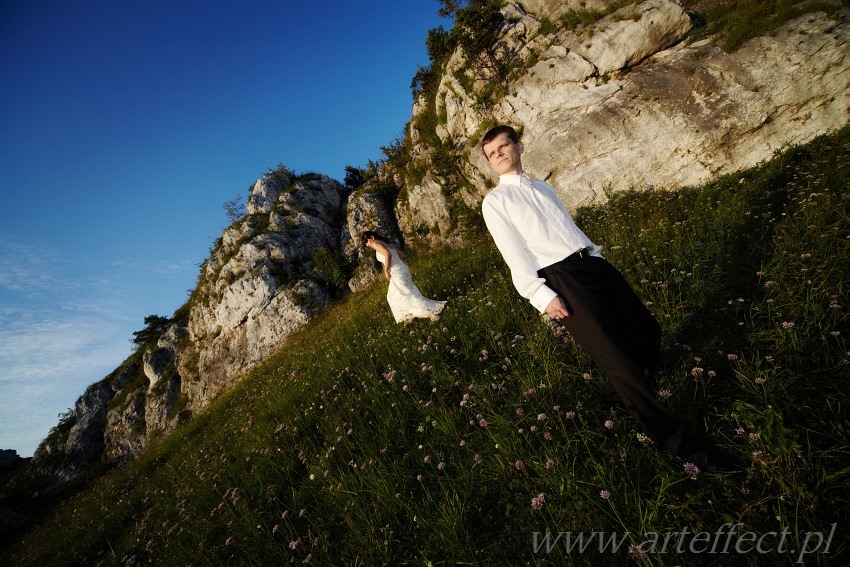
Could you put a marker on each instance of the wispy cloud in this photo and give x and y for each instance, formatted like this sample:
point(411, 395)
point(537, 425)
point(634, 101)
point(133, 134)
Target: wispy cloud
point(179, 267)
point(65, 323)
point(42, 344)
point(22, 266)
point(46, 362)
point(62, 328)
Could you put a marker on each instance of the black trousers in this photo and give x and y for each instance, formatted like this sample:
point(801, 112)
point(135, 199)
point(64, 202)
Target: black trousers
point(612, 324)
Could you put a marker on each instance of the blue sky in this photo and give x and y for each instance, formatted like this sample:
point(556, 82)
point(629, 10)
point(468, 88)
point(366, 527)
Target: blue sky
point(124, 127)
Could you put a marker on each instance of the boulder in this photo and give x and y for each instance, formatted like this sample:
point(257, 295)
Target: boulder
point(630, 35)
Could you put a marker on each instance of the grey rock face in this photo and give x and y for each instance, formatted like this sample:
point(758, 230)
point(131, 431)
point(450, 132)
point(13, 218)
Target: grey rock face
point(366, 210)
point(261, 284)
point(632, 105)
point(426, 208)
point(687, 114)
point(256, 288)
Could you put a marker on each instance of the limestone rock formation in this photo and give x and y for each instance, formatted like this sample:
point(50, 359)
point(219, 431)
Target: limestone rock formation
point(626, 103)
point(258, 286)
point(426, 208)
point(553, 9)
point(630, 35)
point(685, 115)
point(368, 209)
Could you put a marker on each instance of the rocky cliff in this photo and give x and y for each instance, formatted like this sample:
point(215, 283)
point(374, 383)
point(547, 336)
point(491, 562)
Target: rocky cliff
point(621, 102)
point(630, 101)
point(265, 277)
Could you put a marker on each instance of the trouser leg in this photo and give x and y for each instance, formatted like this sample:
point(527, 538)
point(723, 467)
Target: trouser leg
point(586, 292)
point(632, 326)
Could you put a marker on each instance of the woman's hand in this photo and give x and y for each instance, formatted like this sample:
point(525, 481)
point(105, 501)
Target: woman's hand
point(387, 274)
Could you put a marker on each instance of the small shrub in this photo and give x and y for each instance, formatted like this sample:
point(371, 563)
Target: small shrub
point(155, 326)
point(234, 208)
point(332, 266)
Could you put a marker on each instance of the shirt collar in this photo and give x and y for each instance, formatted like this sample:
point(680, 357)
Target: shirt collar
point(510, 178)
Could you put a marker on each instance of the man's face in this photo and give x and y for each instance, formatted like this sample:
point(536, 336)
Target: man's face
point(504, 154)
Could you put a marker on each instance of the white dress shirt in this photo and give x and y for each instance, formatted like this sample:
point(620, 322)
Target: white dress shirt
point(532, 229)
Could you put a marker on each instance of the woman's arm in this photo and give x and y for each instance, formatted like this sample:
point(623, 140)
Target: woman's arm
point(379, 247)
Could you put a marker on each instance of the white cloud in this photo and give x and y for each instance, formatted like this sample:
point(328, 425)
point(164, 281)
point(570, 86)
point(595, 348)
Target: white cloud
point(22, 266)
point(65, 323)
point(46, 362)
point(60, 331)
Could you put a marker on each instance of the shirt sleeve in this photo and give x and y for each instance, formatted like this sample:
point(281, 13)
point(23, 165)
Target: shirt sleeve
point(518, 258)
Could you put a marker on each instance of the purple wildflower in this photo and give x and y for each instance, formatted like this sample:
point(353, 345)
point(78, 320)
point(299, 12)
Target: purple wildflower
point(538, 501)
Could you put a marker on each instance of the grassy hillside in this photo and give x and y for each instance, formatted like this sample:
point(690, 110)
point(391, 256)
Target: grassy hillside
point(453, 442)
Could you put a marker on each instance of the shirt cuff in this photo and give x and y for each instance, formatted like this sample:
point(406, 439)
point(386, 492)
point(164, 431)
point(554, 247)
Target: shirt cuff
point(542, 297)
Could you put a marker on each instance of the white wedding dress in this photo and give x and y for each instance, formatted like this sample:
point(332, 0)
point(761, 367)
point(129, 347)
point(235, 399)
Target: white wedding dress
point(405, 299)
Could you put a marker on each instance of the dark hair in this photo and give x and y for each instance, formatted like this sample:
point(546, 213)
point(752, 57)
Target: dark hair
point(369, 234)
point(492, 133)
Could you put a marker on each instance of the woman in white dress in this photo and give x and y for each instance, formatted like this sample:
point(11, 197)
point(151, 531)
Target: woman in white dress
point(405, 299)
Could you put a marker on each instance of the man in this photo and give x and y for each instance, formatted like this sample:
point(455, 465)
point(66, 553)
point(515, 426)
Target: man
point(562, 273)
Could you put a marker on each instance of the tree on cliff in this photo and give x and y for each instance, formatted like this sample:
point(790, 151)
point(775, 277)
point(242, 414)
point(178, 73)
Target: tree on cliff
point(155, 326)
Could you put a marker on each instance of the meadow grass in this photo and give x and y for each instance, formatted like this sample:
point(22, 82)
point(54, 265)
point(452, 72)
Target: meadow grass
point(363, 442)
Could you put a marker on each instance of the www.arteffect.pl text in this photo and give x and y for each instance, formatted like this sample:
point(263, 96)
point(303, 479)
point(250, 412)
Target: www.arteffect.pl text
point(726, 539)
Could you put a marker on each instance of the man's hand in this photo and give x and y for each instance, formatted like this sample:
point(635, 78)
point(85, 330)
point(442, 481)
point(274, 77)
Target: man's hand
point(557, 309)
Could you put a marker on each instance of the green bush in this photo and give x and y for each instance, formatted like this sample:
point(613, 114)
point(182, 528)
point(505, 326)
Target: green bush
point(333, 267)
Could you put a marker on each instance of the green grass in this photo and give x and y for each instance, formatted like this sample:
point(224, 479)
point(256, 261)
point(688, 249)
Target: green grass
point(368, 443)
point(735, 22)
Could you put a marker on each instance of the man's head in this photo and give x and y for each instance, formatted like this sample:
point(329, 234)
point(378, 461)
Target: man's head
point(503, 149)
